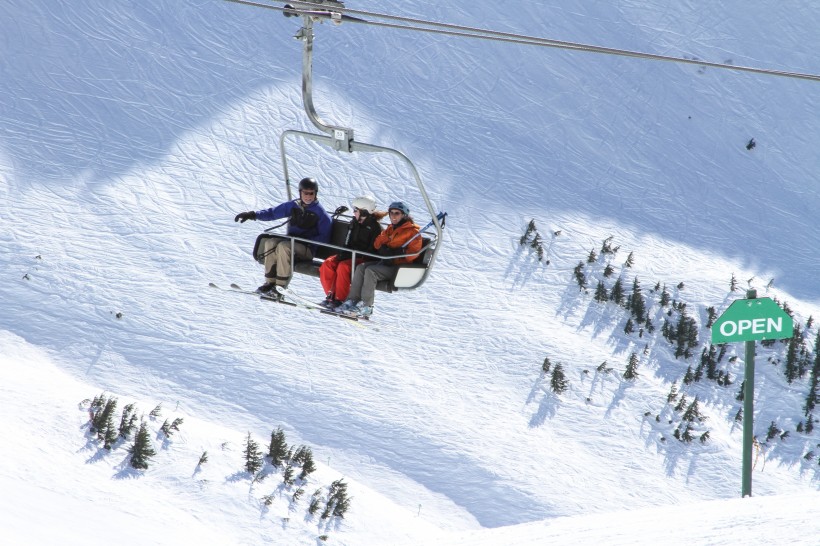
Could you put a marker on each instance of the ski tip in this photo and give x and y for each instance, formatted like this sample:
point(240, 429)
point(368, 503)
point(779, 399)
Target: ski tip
point(235, 286)
point(212, 285)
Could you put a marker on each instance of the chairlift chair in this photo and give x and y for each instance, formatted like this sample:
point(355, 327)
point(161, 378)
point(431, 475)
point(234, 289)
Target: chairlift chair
point(340, 139)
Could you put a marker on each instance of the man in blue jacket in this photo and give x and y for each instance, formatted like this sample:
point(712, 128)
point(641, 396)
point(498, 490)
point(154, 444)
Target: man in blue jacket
point(307, 219)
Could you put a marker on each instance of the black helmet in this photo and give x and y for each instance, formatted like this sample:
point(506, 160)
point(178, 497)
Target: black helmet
point(308, 184)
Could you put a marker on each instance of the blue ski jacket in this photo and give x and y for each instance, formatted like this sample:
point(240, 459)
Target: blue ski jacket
point(309, 222)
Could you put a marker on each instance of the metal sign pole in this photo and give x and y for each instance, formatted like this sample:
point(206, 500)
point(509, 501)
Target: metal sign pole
point(748, 412)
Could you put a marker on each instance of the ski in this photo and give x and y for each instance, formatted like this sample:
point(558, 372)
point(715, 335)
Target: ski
point(288, 293)
point(236, 288)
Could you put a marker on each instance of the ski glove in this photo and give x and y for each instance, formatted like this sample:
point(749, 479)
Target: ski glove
point(245, 216)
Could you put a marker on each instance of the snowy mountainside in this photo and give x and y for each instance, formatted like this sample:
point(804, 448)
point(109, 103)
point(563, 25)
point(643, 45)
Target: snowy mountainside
point(134, 132)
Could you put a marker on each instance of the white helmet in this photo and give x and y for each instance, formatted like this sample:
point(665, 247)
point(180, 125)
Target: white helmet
point(365, 202)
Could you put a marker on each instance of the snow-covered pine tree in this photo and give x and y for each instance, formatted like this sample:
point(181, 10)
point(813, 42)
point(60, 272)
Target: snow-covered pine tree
point(673, 393)
point(608, 271)
point(606, 246)
point(630, 260)
point(141, 451)
point(733, 284)
point(558, 380)
point(629, 327)
point(693, 413)
point(601, 295)
point(252, 455)
point(773, 431)
point(711, 316)
point(637, 305)
point(315, 502)
point(338, 502)
point(278, 449)
point(580, 277)
point(665, 297)
point(687, 433)
point(530, 229)
point(681, 403)
point(128, 421)
point(297, 495)
point(689, 376)
point(287, 476)
point(308, 466)
point(592, 257)
point(617, 292)
point(631, 371)
point(814, 380)
point(545, 366)
point(166, 429)
point(156, 412)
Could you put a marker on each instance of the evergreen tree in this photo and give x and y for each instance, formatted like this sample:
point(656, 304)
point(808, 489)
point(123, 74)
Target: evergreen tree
point(530, 229)
point(773, 431)
point(537, 245)
point(665, 297)
point(580, 277)
point(629, 327)
point(711, 316)
point(558, 381)
point(733, 284)
point(592, 257)
point(287, 476)
point(631, 371)
point(338, 501)
point(617, 292)
point(203, 458)
point(689, 376)
point(673, 393)
point(278, 449)
point(107, 431)
point(630, 260)
point(687, 433)
point(141, 451)
point(156, 412)
point(636, 302)
point(308, 466)
point(740, 393)
point(128, 421)
point(791, 370)
point(545, 367)
point(297, 495)
point(606, 246)
point(600, 293)
point(814, 380)
point(252, 455)
point(681, 403)
point(693, 413)
point(315, 502)
point(608, 271)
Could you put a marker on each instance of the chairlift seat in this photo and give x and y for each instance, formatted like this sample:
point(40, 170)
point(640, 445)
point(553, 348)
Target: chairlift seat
point(407, 276)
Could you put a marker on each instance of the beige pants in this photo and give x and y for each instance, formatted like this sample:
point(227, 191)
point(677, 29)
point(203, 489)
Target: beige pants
point(277, 259)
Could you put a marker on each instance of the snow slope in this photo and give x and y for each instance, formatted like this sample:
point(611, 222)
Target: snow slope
point(133, 133)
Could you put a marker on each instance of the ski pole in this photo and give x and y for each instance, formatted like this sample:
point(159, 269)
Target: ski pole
point(441, 216)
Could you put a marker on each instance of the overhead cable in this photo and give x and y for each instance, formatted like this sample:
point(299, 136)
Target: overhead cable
point(419, 25)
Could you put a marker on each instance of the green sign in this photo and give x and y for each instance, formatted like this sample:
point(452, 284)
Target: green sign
point(752, 319)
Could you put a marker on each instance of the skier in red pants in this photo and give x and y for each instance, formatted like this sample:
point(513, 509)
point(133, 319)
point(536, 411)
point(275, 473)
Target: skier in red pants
point(335, 270)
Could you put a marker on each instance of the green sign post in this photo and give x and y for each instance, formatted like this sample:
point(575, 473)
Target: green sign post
point(749, 320)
